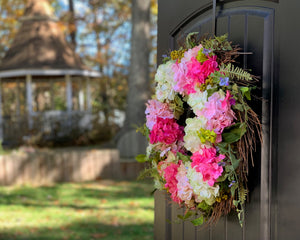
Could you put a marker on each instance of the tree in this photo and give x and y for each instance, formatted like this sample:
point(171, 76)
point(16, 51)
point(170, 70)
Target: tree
point(72, 24)
point(138, 84)
point(105, 27)
point(10, 13)
point(130, 144)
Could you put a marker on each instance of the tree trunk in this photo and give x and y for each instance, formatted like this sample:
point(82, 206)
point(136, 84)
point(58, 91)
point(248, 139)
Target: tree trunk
point(138, 84)
point(130, 143)
point(72, 24)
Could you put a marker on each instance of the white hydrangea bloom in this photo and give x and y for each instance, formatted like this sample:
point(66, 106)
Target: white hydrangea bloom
point(197, 101)
point(165, 82)
point(191, 139)
point(149, 149)
point(201, 189)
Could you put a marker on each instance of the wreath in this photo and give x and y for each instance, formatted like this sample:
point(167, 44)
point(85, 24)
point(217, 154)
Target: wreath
point(201, 129)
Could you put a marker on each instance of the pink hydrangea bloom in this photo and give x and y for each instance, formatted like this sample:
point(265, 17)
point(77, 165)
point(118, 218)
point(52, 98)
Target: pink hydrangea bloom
point(170, 173)
point(189, 73)
point(183, 84)
point(185, 191)
point(191, 53)
point(166, 131)
point(195, 71)
point(209, 66)
point(218, 113)
point(156, 109)
point(207, 164)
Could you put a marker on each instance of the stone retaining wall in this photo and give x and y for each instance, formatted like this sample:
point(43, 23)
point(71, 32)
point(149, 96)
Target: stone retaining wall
point(43, 166)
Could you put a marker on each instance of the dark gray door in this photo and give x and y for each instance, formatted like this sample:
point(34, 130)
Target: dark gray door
point(271, 31)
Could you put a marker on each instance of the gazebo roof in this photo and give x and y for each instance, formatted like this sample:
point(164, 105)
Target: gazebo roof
point(40, 47)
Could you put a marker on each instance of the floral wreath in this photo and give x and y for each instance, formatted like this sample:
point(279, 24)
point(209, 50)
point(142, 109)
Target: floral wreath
point(201, 129)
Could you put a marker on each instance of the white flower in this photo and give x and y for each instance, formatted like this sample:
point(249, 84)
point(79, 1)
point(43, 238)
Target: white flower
point(149, 150)
point(202, 191)
point(191, 139)
point(165, 82)
point(197, 101)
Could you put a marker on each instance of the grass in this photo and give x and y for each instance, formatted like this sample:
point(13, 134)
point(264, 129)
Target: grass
point(107, 210)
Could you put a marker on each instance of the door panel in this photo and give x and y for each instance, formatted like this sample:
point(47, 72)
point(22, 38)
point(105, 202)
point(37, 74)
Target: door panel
point(270, 30)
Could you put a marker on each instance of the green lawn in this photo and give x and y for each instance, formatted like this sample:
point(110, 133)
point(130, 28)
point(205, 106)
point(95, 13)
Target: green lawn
point(87, 211)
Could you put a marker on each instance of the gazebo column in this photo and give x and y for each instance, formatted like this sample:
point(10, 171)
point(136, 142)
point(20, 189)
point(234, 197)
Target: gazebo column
point(88, 95)
point(81, 96)
point(52, 95)
point(1, 119)
point(29, 100)
point(69, 93)
point(18, 110)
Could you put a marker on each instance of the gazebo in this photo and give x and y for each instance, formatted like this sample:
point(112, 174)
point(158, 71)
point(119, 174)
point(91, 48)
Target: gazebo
point(41, 77)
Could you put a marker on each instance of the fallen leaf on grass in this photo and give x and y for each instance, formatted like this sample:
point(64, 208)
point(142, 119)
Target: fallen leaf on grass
point(134, 204)
point(132, 213)
point(33, 230)
point(115, 221)
point(99, 235)
point(63, 228)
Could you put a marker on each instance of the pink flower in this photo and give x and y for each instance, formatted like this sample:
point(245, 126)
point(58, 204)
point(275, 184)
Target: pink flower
point(195, 72)
point(156, 109)
point(191, 53)
point(170, 173)
point(207, 164)
point(189, 73)
point(209, 66)
point(218, 113)
point(183, 84)
point(166, 131)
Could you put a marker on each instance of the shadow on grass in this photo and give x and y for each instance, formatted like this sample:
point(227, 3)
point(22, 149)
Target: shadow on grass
point(87, 229)
point(76, 196)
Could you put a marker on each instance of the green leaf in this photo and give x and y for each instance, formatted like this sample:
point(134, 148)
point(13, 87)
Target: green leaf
point(223, 147)
point(190, 43)
point(234, 133)
point(198, 221)
point(143, 129)
point(211, 91)
point(246, 92)
point(239, 107)
point(178, 101)
point(186, 216)
point(204, 206)
point(233, 188)
point(236, 203)
point(223, 177)
point(141, 158)
point(183, 157)
point(229, 168)
point(235, 162)
point(166, 59)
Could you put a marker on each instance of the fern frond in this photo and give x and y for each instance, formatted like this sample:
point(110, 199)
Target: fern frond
point(243, 192)
point(220, 43)
point(148, 173)
point(235, 72)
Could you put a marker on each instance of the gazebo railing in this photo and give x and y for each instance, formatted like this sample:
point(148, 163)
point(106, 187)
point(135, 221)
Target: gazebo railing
point(48, 126)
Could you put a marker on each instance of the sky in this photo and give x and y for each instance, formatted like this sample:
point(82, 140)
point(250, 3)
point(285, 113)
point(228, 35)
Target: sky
point(119, 49)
